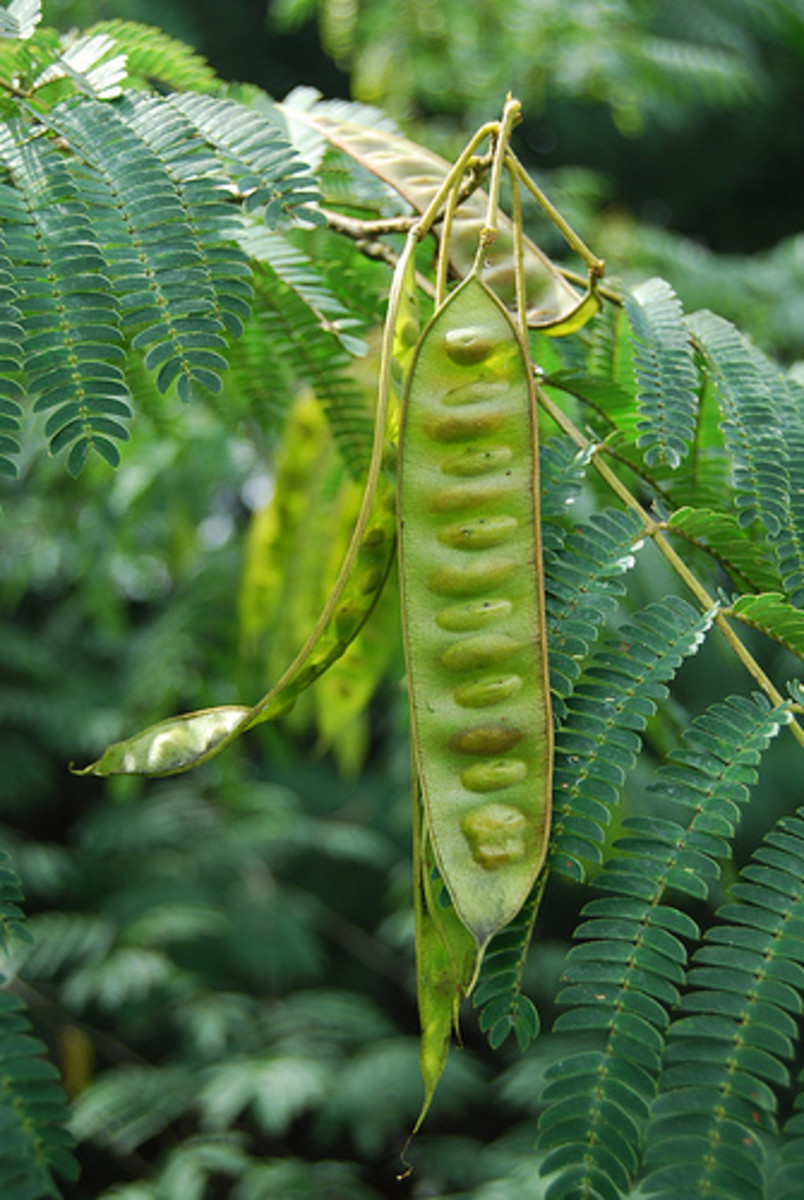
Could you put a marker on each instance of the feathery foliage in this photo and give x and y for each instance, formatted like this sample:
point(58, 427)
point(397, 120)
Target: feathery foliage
point(163, 233)
point(34, 1145)
point(122, 236)
point(664, 369)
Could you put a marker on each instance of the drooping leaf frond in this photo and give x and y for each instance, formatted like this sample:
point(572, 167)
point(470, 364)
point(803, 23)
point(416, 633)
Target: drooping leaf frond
point(721, 535)
point(598, 742)
point(582, 584)
point(73, 354)
point(788, 544)
point(315, 357)
point(786, 1182)
point(268, 172)
point(751, 422)
point(504, 1007)
point(562, 470)
point(20, 18)
point(33, 1109)
point(91, 63)
point(297, 272)
point(11, 915)
point(33, 1112)
point(771, 613)
point(155, 60)
point(626, 972)
point(667, 379)
point(119, 234)
point(11, 357)
point(729, 1051)
point(613, 403)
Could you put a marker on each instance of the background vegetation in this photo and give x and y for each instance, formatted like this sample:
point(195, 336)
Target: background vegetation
point(222, 965)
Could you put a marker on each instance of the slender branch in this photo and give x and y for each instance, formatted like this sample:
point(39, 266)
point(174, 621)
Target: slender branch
point(519, 252)
point(442, 271)
point(359, 229)
point(512, 113)
point(653, 529)
point(575, 277)
point(595, 265)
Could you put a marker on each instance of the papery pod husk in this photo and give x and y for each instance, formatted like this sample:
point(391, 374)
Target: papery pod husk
point(416, 173)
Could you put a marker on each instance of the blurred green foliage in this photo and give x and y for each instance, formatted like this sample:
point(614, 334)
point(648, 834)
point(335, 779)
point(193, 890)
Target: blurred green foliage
point(222, 966)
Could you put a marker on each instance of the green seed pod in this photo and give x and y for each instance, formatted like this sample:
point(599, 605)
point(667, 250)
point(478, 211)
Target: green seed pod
point(475, 614)
point(485, 739)
point(470, 497)
point(474, 392)
point(468, 522)
point(464, 427)
point(482, 650)
point(488, 691)
point(476, 461)
point(479, 533)
point(497, 835)
point(468, 345)
point(468, 579)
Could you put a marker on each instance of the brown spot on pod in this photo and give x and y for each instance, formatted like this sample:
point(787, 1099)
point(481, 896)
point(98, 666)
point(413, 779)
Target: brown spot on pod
point(479, 533)
point(494, 775)
point(469, 345)
point(475, 614)
point(463, 427)
point(470, 579)
point(474, 392)
point(483, 693)
point(486, 739)
point(469, 495)
point(497, 835)
point(475, 461)
point(482, 650)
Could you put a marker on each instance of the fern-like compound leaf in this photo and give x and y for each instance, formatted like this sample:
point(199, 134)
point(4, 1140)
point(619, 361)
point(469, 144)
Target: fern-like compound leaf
point(562, 470)
point(34, 1143)
point(609, 401)
point(582, 584)
point(299, 274)
point(721, 535)
point(155, 60)
point(504, 1009)
point(732, 1046)
point(626, 973)
point(161, 210)
point(268, 172)
point(11, 358)
point(315, 357)
point(70, 321)
point(786, 1182)
point(11, 915)
point(751, 422)
point(598, 742)
point(775, 617)
point(20, 18)
point(666, 374)
point(788, 545)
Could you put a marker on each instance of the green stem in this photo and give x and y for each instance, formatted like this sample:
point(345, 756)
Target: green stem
point(654, 530)
point(519, 253)
point(595, 265)
point(512, 111)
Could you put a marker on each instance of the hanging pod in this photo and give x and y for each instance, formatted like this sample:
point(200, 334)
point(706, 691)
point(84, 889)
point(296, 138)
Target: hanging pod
point(471, 577)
